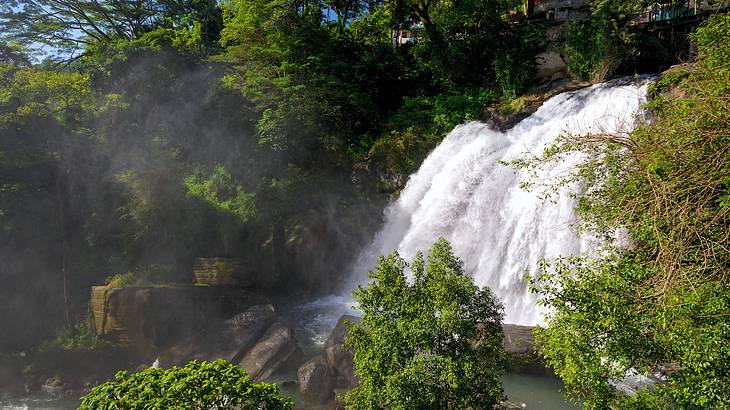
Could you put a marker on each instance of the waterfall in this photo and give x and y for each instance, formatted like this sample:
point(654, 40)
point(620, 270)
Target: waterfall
point(463, 193)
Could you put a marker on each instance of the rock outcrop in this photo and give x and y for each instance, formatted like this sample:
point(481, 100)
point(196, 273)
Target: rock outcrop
point(502, 119)
point(149, 318)
point(518, 339)
point(551, 66)
point(316, 381)
point(253, 339)
point(323, 377)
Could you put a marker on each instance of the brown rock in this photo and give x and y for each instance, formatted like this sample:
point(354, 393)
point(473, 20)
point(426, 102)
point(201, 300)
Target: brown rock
point(550, 63)
point(151, 318)
point(316, 381)
point(270, 352)
point(220, 271)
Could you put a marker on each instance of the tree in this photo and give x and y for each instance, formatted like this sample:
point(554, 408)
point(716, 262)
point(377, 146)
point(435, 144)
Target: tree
point(198, 385)
point(69, 27)
point(434, 343)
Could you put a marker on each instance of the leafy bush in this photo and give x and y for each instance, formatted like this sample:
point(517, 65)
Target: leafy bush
point(435, 343)
point(220, 192)
point(121, 279)
point(597, 46)
point(439, 114)
point(711, 41)
point(152, 275)
point(198, 385)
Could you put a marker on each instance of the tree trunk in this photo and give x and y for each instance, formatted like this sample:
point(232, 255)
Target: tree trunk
point(62, 231)
point(431, 29)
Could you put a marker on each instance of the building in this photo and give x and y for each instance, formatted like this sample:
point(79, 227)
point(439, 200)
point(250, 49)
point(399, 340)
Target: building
point(414, 33)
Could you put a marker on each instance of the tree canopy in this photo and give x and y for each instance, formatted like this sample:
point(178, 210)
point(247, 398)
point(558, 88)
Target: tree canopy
point(431, 343)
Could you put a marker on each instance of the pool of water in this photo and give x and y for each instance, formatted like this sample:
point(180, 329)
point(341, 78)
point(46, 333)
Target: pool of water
point(539, 392)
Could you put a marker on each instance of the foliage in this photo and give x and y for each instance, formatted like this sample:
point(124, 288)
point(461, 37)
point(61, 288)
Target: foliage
point(32, 94)
point(198, 385)
point(152, 275)
point(515, 65)
point(81, 336)
point(432, 343)
point(596, 47)
point(585, 48)
point(70, 27)
point(660, 304)
point(219, 191)
point(714, 52)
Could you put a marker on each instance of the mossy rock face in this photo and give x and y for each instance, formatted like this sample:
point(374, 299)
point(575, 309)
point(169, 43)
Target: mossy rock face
point(217, 271)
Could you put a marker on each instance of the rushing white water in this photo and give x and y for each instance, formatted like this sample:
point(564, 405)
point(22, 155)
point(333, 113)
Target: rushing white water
point(462, 192)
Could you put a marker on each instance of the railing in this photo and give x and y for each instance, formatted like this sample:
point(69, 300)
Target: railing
point(544, 5)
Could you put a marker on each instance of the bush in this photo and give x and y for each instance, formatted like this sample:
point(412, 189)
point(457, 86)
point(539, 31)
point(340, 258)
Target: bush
point(585, 47)
point(198, 385)
point(435, 343)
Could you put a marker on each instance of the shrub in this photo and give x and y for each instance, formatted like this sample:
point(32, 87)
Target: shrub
point(198, 385)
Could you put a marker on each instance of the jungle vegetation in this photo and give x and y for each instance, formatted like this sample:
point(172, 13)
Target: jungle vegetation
point(136, 135)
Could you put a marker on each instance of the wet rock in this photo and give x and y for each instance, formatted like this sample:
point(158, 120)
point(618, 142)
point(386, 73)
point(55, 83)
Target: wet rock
point(54, 387)
point(501, 119)
point(230, 339)
point(316, 381)
point(508, 405)
point(270, 352)
point(338, 356)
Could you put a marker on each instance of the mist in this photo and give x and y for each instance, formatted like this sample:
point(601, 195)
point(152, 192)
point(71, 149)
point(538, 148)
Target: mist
point(109, 197)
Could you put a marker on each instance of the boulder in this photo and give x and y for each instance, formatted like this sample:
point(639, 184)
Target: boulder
point(550, 63)
point(316, 381)
point(229, 339)
point(270, 352)
point(338, 356)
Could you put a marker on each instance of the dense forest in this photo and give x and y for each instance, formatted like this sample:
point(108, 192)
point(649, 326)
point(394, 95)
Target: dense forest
point(136, 135)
